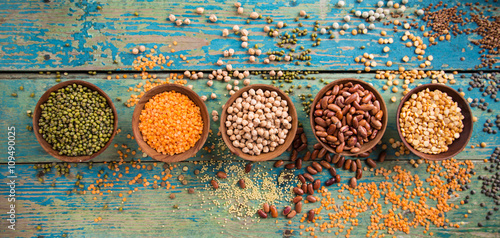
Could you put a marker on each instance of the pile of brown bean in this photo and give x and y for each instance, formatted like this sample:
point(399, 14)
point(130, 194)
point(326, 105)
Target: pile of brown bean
point(347, 117)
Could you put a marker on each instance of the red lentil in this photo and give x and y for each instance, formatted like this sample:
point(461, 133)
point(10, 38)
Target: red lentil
point(171, 123)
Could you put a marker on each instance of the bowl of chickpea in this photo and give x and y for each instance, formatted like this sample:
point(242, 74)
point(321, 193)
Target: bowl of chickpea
point(258, 122)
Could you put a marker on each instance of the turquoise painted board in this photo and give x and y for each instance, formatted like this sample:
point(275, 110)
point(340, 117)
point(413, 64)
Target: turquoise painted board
point(100, 35)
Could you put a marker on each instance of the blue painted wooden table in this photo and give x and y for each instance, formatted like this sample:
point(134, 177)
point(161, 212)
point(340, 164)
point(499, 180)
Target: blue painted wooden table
point(42, 42)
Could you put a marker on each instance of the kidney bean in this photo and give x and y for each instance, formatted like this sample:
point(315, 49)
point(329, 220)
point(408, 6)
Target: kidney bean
point(296, 143)
point(341, 162)
point(354, 166)
point(320, 121)
point(382, 155)
point(335, 90)
point(214, 184)
point(322, 153)
point(248, 168)
point(311, 170)
point(303, 138)
point(317, 146)
point(311, 198)
point(359, 173)
point(331, 138)
point(367, 98)
point(301, 178)
point(376, 123)
point(336, 158)
point(347, 164)
point(291, 214)
point(290, 166)
point(310, 189)
point(363, 154)
point(358, 163)
point(319, 128)
point(297, 199)
point(318, 113)
point(317, 184)
point(379, 115)
point(298, 164)
point(308, 177)
point(307, 156)
point(371, 163)
point(302, 147)
point(374, 134)
point(298, 191)
point(333, 172)
point(294, 154)
point(274, 211)
point(310, 215)
point(266, 208)
point(337, 178)
point(261, 213)
point(304, 187)
point(340, 148)
point(330, 181)
point(241, 182)
point(300, 130)
point(325, 164)
point(278, 163)
point(317, 166)
point(353, 182)
point(324, 103)
point(286, 210)
point(328, 158)
point(298, 207)
point(222, 174)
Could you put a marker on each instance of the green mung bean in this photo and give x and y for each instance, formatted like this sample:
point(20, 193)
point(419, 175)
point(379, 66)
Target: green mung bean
point(76, 121)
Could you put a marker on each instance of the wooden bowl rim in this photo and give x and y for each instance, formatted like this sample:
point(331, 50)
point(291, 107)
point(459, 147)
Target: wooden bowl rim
point(193, 96)
point(280, 149)
point(46, 146)
point(466, 112)
point(366, 146)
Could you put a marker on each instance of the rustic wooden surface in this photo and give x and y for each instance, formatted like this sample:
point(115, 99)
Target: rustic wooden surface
point(102, 40)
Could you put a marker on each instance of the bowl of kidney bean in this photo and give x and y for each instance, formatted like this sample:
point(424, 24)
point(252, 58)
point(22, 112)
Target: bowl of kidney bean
point(348, 116)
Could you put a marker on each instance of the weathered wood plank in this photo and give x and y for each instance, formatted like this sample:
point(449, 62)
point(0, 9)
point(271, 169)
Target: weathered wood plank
point(13, 112)
point(150, 212)
point(34, 36)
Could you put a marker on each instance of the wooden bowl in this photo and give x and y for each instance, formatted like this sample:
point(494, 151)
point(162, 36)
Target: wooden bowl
point(264, 156)
point(366, 146)
point(458, 145)
point(140, 106)
point(46, 146)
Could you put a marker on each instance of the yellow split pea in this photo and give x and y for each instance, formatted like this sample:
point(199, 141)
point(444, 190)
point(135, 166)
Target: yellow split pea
point(430, 121)
point(171, 123)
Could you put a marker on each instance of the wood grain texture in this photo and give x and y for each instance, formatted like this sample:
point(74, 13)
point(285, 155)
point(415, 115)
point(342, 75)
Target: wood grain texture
point(149, 212)
point(75, 35)
point(13, 113)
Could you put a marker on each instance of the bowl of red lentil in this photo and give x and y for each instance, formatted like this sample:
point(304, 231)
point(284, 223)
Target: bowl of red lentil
point(455, 126)
point(170, 123)
point(288, 122)
point(348, 116)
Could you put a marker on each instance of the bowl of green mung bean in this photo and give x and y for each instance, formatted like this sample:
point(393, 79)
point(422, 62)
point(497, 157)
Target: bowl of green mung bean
point(75, 121)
